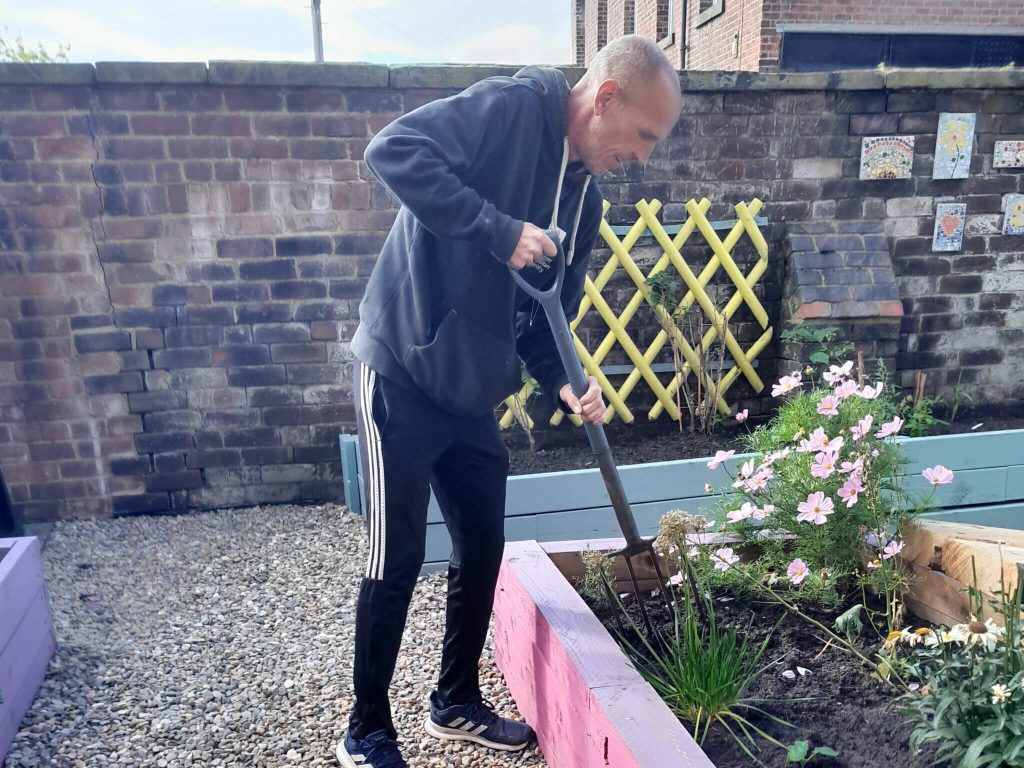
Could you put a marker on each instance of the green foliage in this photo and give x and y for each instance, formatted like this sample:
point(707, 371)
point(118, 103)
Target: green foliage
point(14, 49)
point(919, 417)
point(972, 703)
point(701, 397)
point(846, 548)
point(824, 347)
point(800, 752)
point(704, 671)
point(959, 396)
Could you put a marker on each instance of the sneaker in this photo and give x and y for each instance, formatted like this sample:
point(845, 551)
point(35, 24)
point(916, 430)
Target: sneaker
point(378, 750)
point(476, 721)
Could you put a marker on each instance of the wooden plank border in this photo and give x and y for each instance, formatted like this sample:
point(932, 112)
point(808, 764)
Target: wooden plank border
point(571, 681)
point(26, 633)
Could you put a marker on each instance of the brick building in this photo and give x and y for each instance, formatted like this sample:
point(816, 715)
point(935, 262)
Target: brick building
point(800, 35)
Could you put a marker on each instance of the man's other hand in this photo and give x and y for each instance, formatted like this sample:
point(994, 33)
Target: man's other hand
point(533, 248)
point(591, 406)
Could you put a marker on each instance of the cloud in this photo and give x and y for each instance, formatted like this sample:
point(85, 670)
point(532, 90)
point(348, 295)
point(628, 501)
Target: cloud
point(513, 44)
point(93, 40)
point(274, 30)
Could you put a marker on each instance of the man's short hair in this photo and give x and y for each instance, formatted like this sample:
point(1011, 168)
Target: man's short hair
point(631, 59)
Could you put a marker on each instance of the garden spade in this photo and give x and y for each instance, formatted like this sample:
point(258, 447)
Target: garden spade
point(636, 545)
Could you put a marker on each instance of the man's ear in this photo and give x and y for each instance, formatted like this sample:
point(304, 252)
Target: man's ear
point(606, 92)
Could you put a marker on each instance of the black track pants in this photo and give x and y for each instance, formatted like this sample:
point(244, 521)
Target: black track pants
point(409, 446)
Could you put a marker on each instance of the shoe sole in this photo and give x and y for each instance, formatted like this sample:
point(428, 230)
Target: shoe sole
point(454, 734)
point(344, 758)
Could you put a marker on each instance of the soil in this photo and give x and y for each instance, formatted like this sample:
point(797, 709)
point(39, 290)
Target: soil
point(562, 449)
point(845, 708)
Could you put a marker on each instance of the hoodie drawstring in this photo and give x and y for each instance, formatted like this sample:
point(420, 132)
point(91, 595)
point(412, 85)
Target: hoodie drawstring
point(579, 208)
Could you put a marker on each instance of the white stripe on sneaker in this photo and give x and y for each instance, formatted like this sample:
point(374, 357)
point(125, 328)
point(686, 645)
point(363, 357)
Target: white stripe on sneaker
point(478, 730)
point(456, 722)
point(467, 726)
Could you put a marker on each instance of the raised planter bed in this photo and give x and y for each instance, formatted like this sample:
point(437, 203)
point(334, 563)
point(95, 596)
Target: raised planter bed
point(589, 706)
point(26, 632)
point(559, 506)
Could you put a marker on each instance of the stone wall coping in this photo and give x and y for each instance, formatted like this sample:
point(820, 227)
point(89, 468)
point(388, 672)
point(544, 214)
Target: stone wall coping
point(409, 76)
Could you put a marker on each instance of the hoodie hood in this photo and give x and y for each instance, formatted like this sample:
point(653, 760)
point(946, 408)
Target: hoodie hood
point(551, 84)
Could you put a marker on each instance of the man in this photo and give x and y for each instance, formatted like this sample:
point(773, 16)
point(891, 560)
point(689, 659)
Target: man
point(480, 176)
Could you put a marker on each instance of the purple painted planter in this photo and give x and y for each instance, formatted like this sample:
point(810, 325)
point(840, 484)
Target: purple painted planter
point(26, 632)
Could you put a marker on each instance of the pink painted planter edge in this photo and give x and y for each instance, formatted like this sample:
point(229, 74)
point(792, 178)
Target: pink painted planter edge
point(569, 678)
point(27, 640)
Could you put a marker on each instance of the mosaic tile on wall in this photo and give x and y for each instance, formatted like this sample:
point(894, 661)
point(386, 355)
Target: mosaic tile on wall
point(886, 157)
point(954, 142)
point(1013, 222)
point(1009, 154)
point(950, 219)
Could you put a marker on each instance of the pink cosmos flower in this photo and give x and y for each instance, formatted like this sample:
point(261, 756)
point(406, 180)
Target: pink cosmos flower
point(892, 549)
point(816, 509)
point(870, 393)
point(815, 442)
point(829, 405)
point(846, 389)
point(786, 385)
point(797, 571)
point(862, 427)
point(736, 515)
point(720, 456)
point(853, 467)
point(832, 443)
point(742, 415)
point(889, 428)
point(758, 482)
point(824, 464)
point(837, 373)
point(723, 558)
point(850, 489)
point(938, 475)
point(746, 512)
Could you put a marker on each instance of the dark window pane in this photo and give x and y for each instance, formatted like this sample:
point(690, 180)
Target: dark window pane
point(931, 51)
point(811, 51)
point(817, 51)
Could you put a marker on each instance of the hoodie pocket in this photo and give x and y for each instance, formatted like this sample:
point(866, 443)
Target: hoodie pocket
point(465, 369)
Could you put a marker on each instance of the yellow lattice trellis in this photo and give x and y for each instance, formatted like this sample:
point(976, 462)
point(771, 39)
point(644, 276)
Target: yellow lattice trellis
point(695, 284)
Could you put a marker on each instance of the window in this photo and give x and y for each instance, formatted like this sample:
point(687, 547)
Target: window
point(666, 22)
point(710, 9)
point(810, 51)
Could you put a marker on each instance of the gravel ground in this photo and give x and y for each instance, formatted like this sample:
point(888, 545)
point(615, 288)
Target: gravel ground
point(224, 639)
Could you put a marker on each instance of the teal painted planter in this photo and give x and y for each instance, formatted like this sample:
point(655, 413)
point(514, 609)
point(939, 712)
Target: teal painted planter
point(558, 506)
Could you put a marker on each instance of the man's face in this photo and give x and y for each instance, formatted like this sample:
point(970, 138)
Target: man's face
point(626, 126)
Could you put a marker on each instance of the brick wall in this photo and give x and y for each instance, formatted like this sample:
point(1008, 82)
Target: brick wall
point(712, 44)
point(579, 32)
point(183, 247)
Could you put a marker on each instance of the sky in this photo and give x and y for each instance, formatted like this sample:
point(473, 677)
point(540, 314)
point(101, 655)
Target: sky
point(381, 31)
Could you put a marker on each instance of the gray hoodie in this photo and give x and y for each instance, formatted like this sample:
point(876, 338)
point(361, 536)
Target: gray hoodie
point(441, 312)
